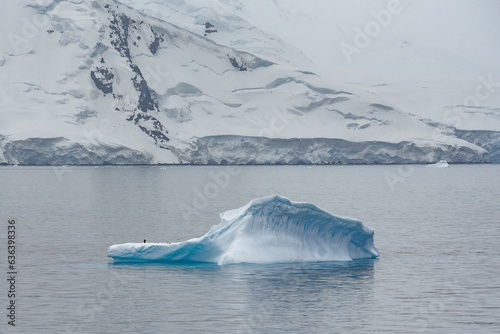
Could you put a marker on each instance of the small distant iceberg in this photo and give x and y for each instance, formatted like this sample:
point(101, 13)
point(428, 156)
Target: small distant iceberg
point(266, 230)
point(440, 163)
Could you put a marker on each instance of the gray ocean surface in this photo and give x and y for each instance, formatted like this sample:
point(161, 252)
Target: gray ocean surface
point(437, 229)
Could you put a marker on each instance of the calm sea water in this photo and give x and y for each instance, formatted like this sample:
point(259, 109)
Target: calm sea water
point(438, 232)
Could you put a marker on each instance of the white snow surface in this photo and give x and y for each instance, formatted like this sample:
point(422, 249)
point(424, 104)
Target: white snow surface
point(146, 81)
point(267, 230)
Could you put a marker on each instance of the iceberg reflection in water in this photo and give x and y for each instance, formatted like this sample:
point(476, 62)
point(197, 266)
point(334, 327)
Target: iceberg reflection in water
point(266, 230)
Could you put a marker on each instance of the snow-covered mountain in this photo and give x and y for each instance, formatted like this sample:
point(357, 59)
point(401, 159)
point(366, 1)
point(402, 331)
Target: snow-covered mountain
point(197, 81)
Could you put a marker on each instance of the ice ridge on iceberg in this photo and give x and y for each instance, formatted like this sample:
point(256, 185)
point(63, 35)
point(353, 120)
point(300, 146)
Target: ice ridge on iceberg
point(266, 230)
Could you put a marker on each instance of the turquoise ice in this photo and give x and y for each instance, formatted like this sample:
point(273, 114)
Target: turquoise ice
point(266, 230)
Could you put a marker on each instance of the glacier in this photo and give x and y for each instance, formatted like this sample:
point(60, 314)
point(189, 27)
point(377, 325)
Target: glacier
point(197, 82)
point(267, 230)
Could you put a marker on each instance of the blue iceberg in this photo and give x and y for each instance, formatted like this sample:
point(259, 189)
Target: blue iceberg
point(266, 230)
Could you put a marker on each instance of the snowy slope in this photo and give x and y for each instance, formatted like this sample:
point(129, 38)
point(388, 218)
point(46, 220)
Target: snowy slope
point(436, 60)
point(191, 81)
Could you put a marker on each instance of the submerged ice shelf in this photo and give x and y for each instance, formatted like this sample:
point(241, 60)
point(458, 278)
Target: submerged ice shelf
point(266, 230)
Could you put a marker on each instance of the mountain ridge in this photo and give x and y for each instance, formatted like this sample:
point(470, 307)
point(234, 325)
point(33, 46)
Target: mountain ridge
point(135, 89)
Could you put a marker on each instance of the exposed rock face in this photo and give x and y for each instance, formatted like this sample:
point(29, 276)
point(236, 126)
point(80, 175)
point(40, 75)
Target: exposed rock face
point(103, 79)
point(209, 28)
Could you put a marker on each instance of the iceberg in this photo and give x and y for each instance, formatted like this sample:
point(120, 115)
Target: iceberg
point(266, 230)
point(440, 163)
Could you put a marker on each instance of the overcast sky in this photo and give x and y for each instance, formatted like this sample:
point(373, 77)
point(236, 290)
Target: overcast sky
point(428, 40)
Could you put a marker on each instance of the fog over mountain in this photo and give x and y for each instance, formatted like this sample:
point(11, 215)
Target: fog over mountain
point(249, 82)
